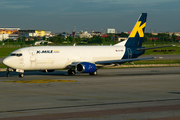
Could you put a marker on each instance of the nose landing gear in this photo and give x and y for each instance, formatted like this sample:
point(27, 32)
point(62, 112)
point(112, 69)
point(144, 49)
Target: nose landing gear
point(7, 71)
point(21, 72)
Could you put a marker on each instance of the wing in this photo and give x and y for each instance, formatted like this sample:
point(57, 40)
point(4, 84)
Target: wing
point(108, 62)
point(120, 61)
point(72, 65)
point(141, 49)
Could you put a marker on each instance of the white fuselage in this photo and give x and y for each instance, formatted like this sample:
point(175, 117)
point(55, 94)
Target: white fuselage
point(58, 57)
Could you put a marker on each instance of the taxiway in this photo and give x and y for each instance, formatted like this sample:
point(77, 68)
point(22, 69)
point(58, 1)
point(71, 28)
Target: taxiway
point(128, 93)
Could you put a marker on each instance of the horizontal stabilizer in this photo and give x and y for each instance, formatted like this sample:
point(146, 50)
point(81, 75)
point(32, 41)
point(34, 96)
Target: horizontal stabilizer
point(120, 61)
point(141, 49)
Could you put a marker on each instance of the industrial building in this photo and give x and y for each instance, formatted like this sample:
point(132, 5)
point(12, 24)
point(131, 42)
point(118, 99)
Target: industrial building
point(4, 37)
point(32, 33)
point(111, 30)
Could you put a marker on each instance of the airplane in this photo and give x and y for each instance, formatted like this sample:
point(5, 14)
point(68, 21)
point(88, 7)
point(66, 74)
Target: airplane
point(81, 59)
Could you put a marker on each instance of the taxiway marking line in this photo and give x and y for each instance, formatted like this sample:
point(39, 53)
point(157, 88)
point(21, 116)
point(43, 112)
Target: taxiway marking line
point(39, 81)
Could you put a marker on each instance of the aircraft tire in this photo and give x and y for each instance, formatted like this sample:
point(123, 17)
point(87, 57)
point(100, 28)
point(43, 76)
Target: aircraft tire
point(94, 73)
point(71, 72)
point(21, 75)
point(7, 75)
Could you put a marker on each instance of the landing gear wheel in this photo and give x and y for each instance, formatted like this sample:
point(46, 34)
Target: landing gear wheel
point(94, 73)
point(7, 75)
point(71, 72)
point(21, 75)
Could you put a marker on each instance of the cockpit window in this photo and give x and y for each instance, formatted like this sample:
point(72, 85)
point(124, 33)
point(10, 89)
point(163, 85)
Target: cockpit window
point(16, 54)
point(19, 54)
point(12, 54)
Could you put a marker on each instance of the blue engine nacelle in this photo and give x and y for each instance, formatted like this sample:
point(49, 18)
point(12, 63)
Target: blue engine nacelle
point(86, 67)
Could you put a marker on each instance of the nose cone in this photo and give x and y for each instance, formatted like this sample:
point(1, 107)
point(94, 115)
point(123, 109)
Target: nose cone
point(7, 61)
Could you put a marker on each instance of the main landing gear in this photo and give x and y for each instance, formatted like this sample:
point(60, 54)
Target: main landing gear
point(94, 73)
point(71, 72)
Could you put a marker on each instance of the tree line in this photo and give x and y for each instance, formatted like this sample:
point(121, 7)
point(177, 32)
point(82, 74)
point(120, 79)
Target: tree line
point(109, 39)
point(161, 37)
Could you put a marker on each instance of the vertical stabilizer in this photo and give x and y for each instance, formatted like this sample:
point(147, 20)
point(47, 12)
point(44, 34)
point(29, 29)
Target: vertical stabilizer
point(135, 39)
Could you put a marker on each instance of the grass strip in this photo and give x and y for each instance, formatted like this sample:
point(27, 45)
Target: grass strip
point(2, 65)
point(4, 52)
point(155, 62)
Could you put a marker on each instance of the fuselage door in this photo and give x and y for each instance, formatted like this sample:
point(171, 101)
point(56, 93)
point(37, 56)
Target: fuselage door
point(129, 53)
point(32, 55)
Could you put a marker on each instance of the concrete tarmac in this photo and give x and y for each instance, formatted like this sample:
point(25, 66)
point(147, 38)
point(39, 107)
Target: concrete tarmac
point(123, 94)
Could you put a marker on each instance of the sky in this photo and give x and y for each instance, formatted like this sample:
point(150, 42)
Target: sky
point(91, 15)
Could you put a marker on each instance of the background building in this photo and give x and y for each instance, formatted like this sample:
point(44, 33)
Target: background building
point(122, 38)
point(93, 33)
point(13, 36)
point(85, 34)
point(27, 33)
point(9, 28)
point(40, 33)
point(4, 37)
point(111, 30)
point(32, 33)
point(48, 34)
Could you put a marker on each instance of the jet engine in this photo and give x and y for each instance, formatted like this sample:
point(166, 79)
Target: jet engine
point(86, 67)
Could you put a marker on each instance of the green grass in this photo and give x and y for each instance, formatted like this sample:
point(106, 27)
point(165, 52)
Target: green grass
point(2, 65)
point(151, 52)
point(154, 62)
point(4, 52)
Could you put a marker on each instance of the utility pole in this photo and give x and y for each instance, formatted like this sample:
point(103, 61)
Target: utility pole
point(75, 28)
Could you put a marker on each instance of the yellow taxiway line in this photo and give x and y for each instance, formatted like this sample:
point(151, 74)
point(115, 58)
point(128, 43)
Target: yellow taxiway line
point(39, 81)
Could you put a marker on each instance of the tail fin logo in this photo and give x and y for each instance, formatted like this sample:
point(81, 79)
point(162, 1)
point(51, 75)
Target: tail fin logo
point(138, 29)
